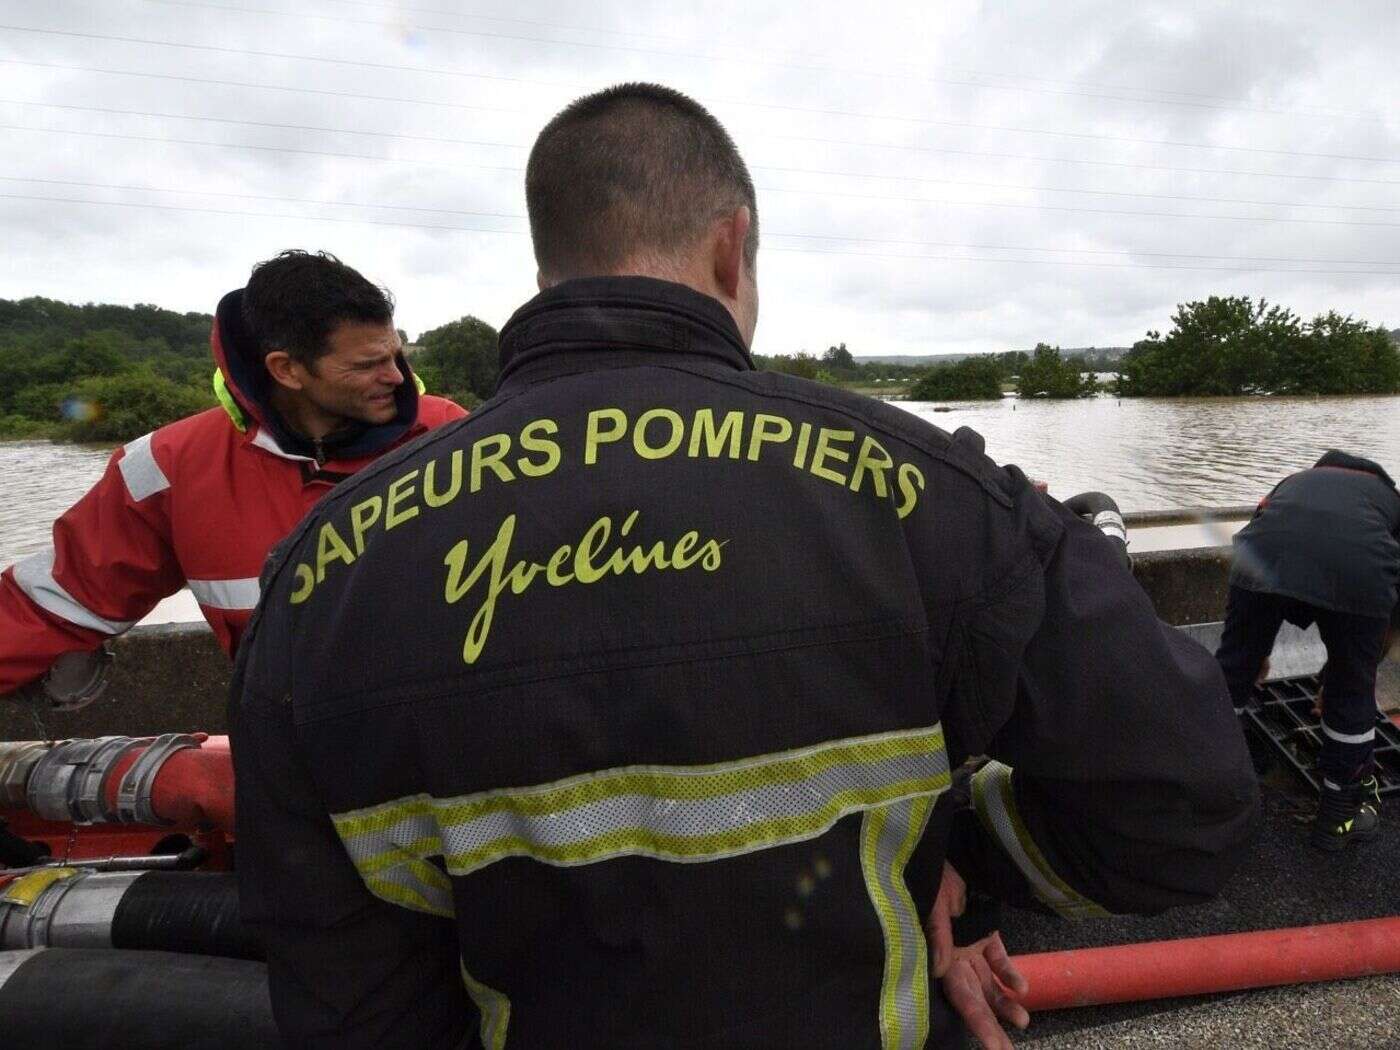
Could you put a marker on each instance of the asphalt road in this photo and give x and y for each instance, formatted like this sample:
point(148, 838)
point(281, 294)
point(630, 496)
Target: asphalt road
point(1283, 882)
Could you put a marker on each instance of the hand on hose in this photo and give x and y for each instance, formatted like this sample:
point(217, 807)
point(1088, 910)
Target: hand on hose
point(980, 980)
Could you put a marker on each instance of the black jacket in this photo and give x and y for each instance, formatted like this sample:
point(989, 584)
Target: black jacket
point(1329, 536)
point(635, 690)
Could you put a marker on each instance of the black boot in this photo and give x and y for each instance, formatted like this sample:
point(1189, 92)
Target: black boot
point(1346, 814)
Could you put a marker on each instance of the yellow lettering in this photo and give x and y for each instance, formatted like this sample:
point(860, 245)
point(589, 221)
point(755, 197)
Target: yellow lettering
point(362, 516)
point(595, 435)
point(556, 562)
point(430, 497)
point(482, 459)
point(824, 451)
point(306, 580)
point(492, 561)
point(710, 554)
point(330, 547)
point(780, 431)
point(400, 490)
point(639, 433)
point(731, 430)
point(909, 476)
point(877, 464)
point(530, 443)
point(589, 548)
point(683, 555)
point(799, 458)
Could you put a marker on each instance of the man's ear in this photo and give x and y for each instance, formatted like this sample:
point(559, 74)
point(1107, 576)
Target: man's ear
point(731, 233)
point(284, 371)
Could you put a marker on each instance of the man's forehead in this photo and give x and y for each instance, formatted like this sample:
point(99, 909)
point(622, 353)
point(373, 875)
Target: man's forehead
point(364, 338)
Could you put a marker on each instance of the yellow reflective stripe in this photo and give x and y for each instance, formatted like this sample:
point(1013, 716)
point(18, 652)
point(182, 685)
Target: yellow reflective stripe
point(678, 783)
point(414, 884)
point(494, 1008)
point(428, 846)
point(888, 837)
point(995, 804)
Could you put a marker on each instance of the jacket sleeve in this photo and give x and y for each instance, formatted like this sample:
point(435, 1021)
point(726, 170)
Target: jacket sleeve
point(346, 970)
point(110, 563)
point(1119, 779)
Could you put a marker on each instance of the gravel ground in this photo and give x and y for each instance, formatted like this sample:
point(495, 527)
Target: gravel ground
point(1283, 882)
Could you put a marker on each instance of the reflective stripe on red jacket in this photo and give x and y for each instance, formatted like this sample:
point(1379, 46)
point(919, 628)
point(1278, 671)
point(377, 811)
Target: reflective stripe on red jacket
point(199, 502)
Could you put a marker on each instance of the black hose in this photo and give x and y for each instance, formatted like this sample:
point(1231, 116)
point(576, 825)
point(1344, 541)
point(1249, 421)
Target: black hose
point(92, 999)
point(184, 911)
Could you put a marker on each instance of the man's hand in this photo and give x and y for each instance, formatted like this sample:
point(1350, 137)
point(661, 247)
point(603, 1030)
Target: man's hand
point(978, 978)
point(948, 905)
point(982, 984)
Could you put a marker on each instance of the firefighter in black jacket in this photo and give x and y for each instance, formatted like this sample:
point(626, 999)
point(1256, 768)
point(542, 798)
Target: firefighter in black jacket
point(621, 708)
point(1324, 548)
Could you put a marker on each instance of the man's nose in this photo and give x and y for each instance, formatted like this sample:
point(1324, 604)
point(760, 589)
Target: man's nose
point(391, 374)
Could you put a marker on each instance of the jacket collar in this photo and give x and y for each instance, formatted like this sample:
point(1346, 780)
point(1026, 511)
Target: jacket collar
point(602, 322)
point(241, 384)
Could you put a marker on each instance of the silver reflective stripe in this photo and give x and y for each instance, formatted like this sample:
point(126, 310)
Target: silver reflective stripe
point(680, 813)
point(140, 470)
point(494, 1009)
point(1349, 738)
point(995, 803)
point(1111, 523)
point(34, 575)
point(888, 836)
point(265, 441)
point(225, 594)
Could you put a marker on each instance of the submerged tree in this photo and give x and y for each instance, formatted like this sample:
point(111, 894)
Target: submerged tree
point(1047, 374)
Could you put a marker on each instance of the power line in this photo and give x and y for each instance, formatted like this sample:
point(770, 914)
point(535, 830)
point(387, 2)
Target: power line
point(779, 248)
point(295, 89)
point(863, 143)
point(750, 60)
point(768, 233)
point(399, 10)
point(758, 167)
point(434, 70)
point(766, 189)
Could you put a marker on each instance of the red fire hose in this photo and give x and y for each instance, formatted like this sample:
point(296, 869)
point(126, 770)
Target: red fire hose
point(194, 787)
point(1201, 965)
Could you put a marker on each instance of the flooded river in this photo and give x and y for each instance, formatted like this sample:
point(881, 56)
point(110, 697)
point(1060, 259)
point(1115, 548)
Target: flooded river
point(1148, 454)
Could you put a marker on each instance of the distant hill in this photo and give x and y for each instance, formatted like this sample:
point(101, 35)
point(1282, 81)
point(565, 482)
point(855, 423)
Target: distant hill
point(1102, 353)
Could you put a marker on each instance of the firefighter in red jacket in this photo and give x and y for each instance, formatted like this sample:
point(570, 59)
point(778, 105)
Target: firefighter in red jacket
point(312, 385)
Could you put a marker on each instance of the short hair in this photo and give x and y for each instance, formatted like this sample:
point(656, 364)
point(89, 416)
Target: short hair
point(296, 299)
point(632, 169)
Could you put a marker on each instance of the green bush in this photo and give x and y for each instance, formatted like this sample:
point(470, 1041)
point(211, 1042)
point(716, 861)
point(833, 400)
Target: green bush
point(125, 406)
point(973, 379)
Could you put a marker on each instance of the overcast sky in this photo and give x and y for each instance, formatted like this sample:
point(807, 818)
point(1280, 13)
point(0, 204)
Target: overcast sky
point(933, 177)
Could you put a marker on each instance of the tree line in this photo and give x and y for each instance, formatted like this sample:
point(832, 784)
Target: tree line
point(104, 373)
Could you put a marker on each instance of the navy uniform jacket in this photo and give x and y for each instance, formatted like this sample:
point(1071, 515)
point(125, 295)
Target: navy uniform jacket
point(1329, 536)
point(620, 709)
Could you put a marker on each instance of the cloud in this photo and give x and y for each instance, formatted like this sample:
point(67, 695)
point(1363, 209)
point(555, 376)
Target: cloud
point(943, 177)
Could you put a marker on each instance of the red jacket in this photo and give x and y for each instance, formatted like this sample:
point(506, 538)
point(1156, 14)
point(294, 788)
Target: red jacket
point(199, 502)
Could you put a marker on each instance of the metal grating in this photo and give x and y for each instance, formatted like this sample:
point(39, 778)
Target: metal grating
point(1284, 717)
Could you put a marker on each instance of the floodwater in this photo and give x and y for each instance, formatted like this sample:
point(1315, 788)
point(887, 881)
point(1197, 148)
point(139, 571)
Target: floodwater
point(1148, 454)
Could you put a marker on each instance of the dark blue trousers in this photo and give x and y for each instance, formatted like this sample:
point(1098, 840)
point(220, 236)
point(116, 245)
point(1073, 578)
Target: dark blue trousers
point(1355, 646)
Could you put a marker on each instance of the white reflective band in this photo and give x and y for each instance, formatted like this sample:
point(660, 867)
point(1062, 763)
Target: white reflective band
point(1349, 738)
point(140, 470)
point(888, 836)
point(265, 441)
point(1111, 523)
point(687, 814)
point(995, 803)
point(1331, 786)
point(225, 594)
point(34, 575)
